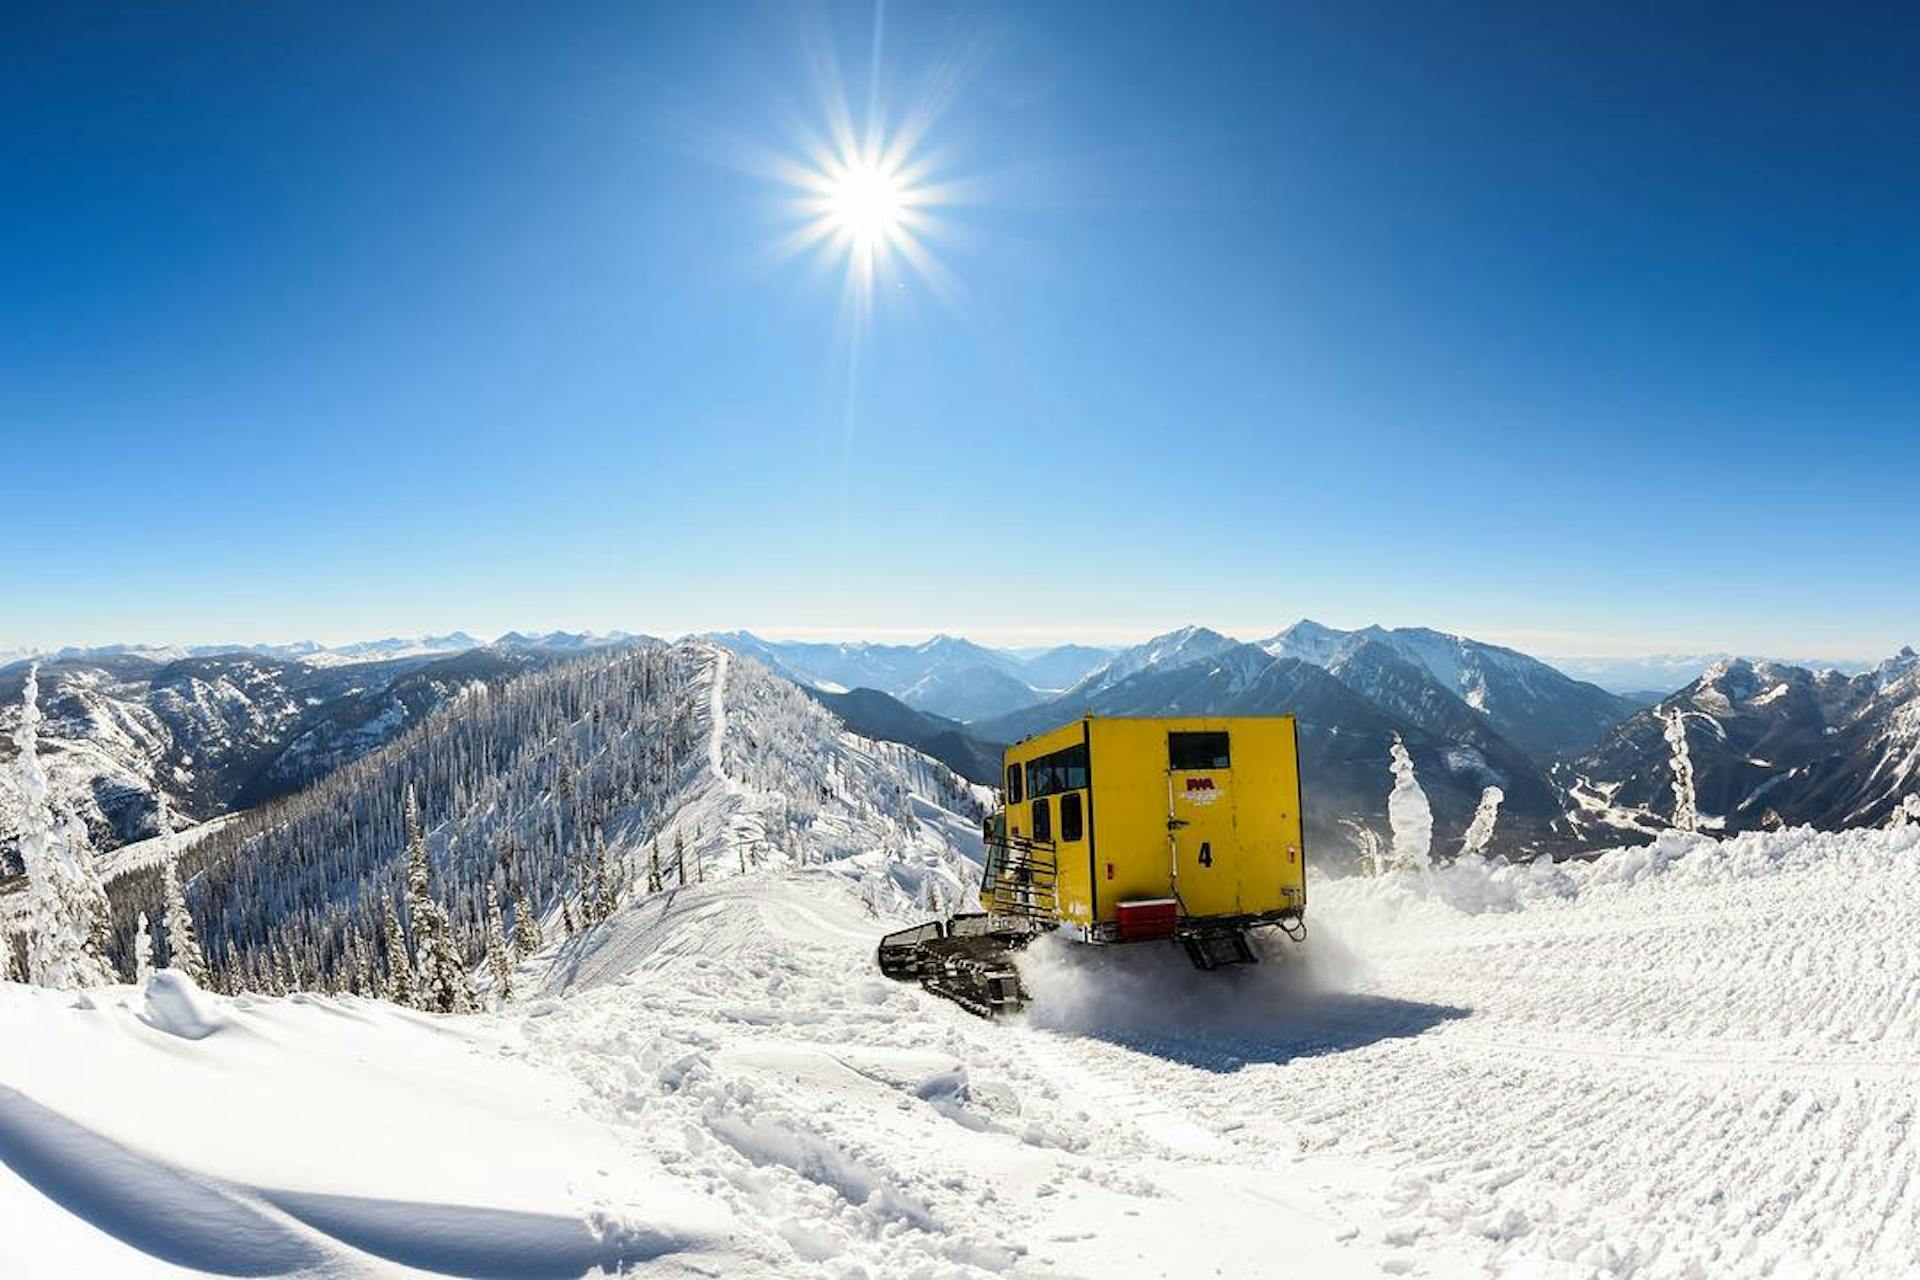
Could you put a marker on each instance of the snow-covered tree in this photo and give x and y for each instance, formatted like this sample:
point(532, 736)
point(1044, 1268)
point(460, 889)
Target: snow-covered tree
point(654, 884)
point(66, 904)
point(499, 964)
point(526, 927)
point(143, 956)
point(1365, 842)
point(1686, 807)
point(1409, 813)
point(680, 856)
point(1480, 830)
point(1906, 813)
point(441, 984)
point(601, 905)
point(399, 987)
point(183, 944)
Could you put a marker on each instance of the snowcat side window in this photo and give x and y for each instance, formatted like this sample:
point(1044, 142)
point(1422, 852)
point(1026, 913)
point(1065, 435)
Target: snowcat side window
point(1197, 751)
point(1070, 818)
point(1015, 793)
point(1042, 820)
point(1062, 770)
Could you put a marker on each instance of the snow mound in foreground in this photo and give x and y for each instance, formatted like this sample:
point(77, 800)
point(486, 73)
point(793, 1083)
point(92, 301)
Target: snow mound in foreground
point(179, 1008)
point(253, 1136)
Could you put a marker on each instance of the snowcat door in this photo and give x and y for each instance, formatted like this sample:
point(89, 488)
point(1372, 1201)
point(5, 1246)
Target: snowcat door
point(1200, 823)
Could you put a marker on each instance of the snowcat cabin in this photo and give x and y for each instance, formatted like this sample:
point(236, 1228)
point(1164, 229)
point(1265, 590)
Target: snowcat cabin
point(1125, 830)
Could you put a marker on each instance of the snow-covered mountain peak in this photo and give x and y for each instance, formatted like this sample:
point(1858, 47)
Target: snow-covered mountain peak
point(1175, 648)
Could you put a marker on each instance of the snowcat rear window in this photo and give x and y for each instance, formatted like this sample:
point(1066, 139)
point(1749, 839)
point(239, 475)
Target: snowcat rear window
point(1070, 820)
point(1042, 820)
point(1015, 793)
point(1197, 751)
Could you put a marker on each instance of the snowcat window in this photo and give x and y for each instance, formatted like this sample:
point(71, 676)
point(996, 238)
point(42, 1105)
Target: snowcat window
point(1042, 820)
point(1070, 821)
point(1063, 770)
point(1197, 751)
point(1014, 792)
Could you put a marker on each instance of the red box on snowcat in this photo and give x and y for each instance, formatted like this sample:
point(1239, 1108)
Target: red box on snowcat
point(1147, 918)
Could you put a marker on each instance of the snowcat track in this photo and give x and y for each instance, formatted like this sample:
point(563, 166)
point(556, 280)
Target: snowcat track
point(966, 959)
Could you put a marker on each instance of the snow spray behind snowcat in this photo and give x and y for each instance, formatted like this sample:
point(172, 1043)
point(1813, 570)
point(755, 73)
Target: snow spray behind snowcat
point(1111, 830)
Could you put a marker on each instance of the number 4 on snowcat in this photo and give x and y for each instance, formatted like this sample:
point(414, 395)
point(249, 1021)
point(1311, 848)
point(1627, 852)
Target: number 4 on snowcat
point(1124, 830)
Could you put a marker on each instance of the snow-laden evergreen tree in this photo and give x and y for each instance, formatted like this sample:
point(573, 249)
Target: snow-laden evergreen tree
point(66, 905)
point(143, 957)
point(567, 924)
point(654, 884)
point(400, 984)
point(1480, 830)
point(183, 944)
point(1409, 813)
point(499, 964)
point(1686, 808)
point(601, 906)
point(441, 984)
point(526, 927)
point(680, 856)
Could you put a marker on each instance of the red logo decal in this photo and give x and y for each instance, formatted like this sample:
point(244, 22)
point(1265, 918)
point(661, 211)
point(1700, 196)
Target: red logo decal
point(1199, 784)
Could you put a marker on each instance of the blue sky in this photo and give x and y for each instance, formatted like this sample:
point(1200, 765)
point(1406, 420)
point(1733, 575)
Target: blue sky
point(1593, 332)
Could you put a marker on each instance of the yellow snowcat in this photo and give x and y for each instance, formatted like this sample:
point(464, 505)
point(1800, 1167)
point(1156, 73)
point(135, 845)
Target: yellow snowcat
point(1124, 830)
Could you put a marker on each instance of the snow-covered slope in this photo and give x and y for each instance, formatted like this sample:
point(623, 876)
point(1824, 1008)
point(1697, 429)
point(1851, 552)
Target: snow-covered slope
point(225, 731)
point(1689, 1059)
point(685, 753)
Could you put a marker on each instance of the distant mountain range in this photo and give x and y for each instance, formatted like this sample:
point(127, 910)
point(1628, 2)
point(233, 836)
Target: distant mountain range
point(1770, 744)
point(317, 654)
point(946, 676)
point(1473, 715)
point(1654, 676)
point(1580, 765)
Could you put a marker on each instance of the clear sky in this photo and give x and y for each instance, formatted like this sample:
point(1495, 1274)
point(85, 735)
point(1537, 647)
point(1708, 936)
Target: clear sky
point(1590, 328)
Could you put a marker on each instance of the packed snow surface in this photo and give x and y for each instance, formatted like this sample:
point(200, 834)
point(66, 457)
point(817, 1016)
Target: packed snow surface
point(1698, 1058)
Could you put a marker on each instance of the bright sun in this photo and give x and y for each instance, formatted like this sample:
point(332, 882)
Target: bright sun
point(868, 203)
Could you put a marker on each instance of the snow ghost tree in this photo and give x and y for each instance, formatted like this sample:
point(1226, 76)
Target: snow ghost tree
point(142, 951)
point(183, 944)
point(441, 984)
point(1480, 830)
point(1409, 814)
point(66, 905)
point(1686, 808)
